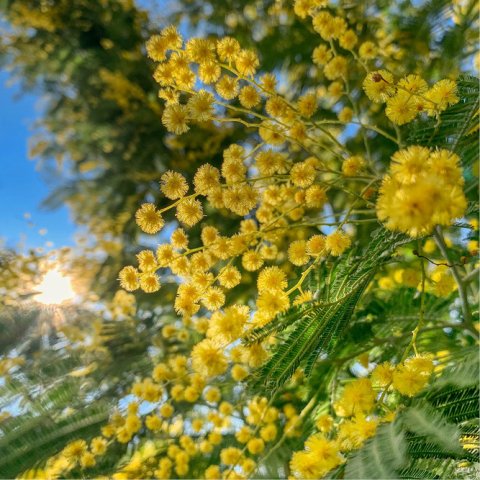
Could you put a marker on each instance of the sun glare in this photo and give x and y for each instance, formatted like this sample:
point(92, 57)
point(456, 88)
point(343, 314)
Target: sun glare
point(54, 289)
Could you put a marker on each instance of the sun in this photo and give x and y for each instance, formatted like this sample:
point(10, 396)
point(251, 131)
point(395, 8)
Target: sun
point(55, 288)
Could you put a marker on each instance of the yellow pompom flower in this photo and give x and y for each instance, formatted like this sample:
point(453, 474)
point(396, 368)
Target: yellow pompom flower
point(87, 460)
point(307, 104)
point(336, 68)
point(227, 87)
point(227, 326)
point(246, 62)
point(249, 97)
point(324, 423)
point(231, 455)
point(345, 115)
point(172, 38)
point(74, 450)
point(411, 376)
point(212, 395)
point(297, 253)
point(200, 106)
point(321, 55)
point(147, 262)
point(157, 48)
point(213, 298)
point(382, 374)
point(379, 86)
point(129, 278)
point(337, 242)
point(442, 94)
point(149, 219)
point(208, 358)
point(271, 279)
point(200, 50)
point(227, 49)
point(189, 211)
point(212, 473)
point(348, 40)
point(175, 118)
point(357, 397)
point(302, 174)
point(252, 260)
point(239, 372)
point(255, 446)
point(206, 179)
point(209, 72)
point(98, 445)
point(153, 422)
point(413, 84)
point(149, 282)
point(173, 185)
point(316, 245)
point(351, 166)
point(229, 277)
point(367, 50)
point(401, 108)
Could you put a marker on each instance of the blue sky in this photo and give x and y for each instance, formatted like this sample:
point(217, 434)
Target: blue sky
point(22, 188)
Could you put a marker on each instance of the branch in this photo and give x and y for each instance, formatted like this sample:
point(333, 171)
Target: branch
point(442, 246)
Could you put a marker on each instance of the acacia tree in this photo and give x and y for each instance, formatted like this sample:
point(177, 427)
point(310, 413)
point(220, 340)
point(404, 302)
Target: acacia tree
point(317, 303)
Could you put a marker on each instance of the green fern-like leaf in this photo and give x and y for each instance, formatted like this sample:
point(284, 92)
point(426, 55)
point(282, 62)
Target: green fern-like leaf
point(314, 329)
point(425, 421)
point(431, 431)
point(27, 440)
point(456, 128)
point(381, 456)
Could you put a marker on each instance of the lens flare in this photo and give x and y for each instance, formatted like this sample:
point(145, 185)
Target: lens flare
point(54, 289)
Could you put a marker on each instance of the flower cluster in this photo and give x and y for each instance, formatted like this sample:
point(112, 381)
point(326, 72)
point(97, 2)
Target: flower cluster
point(423, 189)
point(410, 96)
point(359, 410)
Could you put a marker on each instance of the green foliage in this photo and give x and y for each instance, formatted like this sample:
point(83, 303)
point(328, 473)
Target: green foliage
point(316, 327)
point(384, 454)
point(456, 129)
point(27, 440)
point(425, 438)
point(427, 422)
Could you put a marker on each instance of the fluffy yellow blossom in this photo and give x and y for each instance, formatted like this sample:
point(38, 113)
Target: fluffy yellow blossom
point(227, 49)
point(351, 166)
point(424, 189)
point(149, 282)
point(382, 374)
point(227, 87)
point(175, 118)
point(98, 445)
point(129, 278)
point(324, 423)
point(249, 97)
point(337, 242)
point(189, 211)
point(208, 358)
point(149, 219)
point(75, 450)
point(272, 279)
point(231, 456)
point(200, 106)
point(297, 253)
point(227, 326)
point(321, 55)
point(379, 86)
point(246, 62)
point(411, 376)
point(357, 397)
